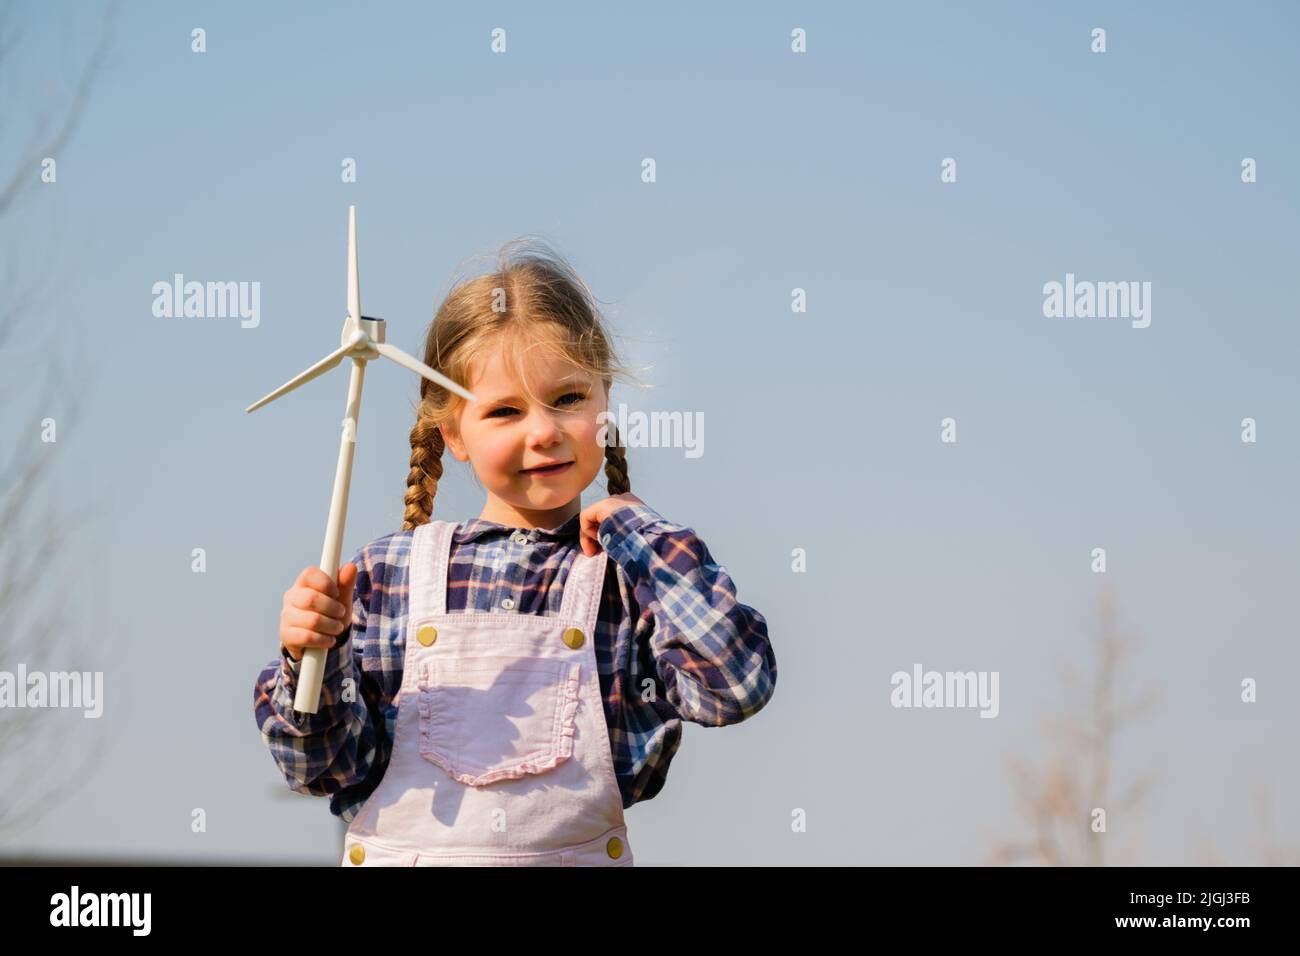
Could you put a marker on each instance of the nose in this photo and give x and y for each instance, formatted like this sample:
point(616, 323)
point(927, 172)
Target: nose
point(542, 429)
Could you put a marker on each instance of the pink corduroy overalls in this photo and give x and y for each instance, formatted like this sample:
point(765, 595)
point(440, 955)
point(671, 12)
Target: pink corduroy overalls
point(501, 755)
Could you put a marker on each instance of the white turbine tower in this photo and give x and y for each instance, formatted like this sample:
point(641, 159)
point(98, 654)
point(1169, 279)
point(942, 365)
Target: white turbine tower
point(363, 341)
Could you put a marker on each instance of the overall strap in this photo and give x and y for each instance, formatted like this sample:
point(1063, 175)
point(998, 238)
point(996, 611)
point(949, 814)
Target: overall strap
point(430, 556)
point(583, 589)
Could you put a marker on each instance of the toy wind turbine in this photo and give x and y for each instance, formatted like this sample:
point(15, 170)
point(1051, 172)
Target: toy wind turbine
point(363, 341)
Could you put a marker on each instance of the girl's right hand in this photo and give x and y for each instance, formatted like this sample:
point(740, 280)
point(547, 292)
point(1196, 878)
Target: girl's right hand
point(316, 610)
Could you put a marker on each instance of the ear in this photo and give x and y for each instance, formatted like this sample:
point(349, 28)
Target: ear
point(453, 443)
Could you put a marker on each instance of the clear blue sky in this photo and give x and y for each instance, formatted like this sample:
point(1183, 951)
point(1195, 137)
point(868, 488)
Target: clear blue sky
point(775, 171)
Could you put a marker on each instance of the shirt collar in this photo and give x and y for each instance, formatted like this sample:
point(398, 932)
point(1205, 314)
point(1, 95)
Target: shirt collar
point(476, 528)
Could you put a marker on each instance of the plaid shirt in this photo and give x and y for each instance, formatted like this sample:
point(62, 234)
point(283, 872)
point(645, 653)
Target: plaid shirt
point(668, 615)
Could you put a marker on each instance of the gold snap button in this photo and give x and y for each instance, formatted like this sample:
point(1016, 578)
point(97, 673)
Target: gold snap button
point(573, 637)
point(427, 634)
point(357, 854)
point(614, 848)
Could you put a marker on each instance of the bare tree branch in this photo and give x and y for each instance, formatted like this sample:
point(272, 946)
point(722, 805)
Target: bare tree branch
point(47, 762)
point(22, 173)
point(1076, 774)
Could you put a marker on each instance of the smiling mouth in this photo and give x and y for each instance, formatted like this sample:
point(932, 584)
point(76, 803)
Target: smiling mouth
point(550, 470)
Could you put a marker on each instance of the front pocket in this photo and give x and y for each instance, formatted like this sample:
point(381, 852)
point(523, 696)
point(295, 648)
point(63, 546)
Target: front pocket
point(486, 719)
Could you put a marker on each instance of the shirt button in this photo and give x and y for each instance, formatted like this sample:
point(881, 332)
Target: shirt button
point(519, 538)
point(604, 539)
point(508, 604)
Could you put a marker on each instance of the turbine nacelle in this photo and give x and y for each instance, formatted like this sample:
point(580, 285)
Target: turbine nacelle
point(369, 331)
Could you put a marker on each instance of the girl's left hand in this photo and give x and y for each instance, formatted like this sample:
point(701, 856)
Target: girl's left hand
point(594, 514)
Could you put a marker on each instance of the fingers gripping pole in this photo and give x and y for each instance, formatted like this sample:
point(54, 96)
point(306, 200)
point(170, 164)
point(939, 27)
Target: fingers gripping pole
point(307, 698)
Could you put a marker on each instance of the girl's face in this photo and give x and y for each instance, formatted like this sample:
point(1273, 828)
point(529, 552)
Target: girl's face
point(506, 433)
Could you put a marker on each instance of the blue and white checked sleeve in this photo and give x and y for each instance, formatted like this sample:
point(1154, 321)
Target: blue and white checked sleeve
point(711, 653)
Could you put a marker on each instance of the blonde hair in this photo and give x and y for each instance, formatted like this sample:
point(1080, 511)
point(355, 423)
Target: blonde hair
point(533, 298)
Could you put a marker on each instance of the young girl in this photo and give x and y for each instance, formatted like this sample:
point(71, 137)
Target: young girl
point(498, 691)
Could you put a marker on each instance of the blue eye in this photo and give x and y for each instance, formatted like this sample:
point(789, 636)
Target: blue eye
point(506, 408)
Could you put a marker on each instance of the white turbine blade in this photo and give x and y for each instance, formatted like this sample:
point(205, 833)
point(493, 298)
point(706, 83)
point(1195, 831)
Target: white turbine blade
point(419, 368)
point(354, 277)
point(320, 368)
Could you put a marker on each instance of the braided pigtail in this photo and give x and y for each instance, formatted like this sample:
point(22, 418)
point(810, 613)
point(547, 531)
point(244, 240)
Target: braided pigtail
point(616, 480)
point(426, 468)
